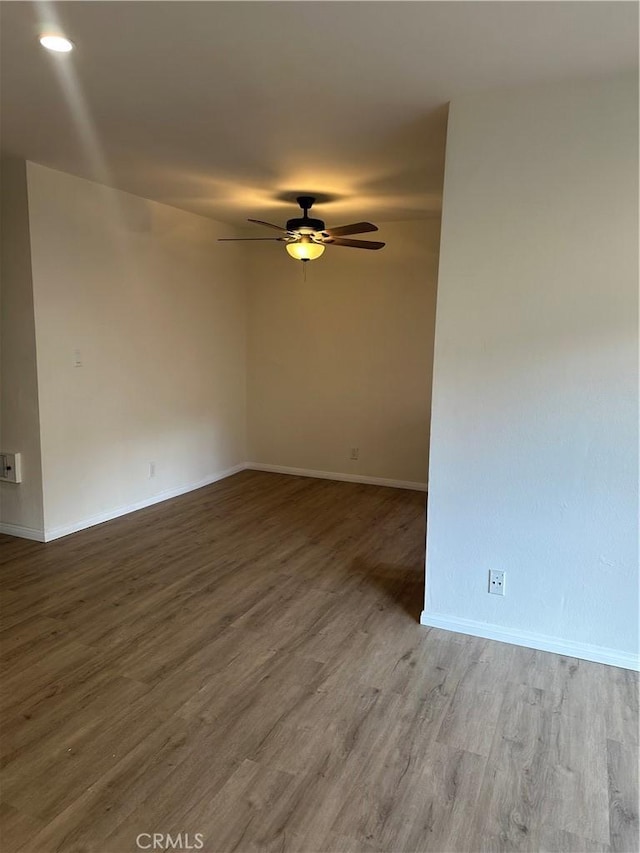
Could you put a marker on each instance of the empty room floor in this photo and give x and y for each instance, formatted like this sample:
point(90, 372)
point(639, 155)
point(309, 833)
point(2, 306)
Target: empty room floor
point(243, 667)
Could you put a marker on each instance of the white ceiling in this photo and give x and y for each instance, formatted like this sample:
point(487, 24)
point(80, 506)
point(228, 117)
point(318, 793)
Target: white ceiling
point(229, 108)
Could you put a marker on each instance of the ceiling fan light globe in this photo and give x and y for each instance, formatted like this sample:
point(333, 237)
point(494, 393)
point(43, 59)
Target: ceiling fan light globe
point(305, 249)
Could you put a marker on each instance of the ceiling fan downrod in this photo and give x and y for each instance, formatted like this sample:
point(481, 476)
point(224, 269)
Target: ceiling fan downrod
point(305, 222)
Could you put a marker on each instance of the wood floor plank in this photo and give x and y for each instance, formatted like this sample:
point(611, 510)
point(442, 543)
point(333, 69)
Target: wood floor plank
point(16, 827)
point(80, 758)
point(558, 841)
point(471, 719)
point(57, 716)
point(34, 633)
point(436, 802)
point(105, 804)
point(245, 661)
point(58, 665)
point(576, 799)
point(514, 787)
point(241, 808)
point(623, 796)
point(621, 706)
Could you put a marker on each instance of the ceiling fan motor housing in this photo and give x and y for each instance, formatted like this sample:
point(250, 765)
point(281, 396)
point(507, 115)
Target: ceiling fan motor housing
point(305, 222)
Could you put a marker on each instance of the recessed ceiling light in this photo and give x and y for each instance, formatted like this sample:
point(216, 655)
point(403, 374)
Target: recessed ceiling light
point(58, 43)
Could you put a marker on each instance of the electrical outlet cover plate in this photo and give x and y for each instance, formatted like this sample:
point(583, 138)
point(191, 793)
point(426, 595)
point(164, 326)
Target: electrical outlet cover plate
point(10, 468)
point(496, 582)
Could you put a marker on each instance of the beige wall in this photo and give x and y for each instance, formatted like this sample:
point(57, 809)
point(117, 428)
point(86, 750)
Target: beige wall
point(534, 436)
point(156, 310)
point(344, 359)
point(20, 504)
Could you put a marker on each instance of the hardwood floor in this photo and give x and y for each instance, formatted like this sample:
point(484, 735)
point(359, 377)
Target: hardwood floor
point(245, 662)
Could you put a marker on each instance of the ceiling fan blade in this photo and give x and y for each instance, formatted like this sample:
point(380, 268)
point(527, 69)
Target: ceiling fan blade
point(268, 225)
point(355, 228)
point(355, 244)
point(275, 239)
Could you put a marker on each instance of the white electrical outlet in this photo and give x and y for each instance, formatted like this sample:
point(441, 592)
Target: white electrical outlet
point(152, 469)
point(10, 467)
point(496, 582)
point(355, 453)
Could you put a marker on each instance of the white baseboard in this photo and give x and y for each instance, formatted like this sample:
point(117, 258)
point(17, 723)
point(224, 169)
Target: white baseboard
point(584, 651)
point(116, 512)
point(333, 475)
point(22, 532)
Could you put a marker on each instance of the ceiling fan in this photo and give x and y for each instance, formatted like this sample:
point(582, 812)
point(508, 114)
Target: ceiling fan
point(305, 238)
